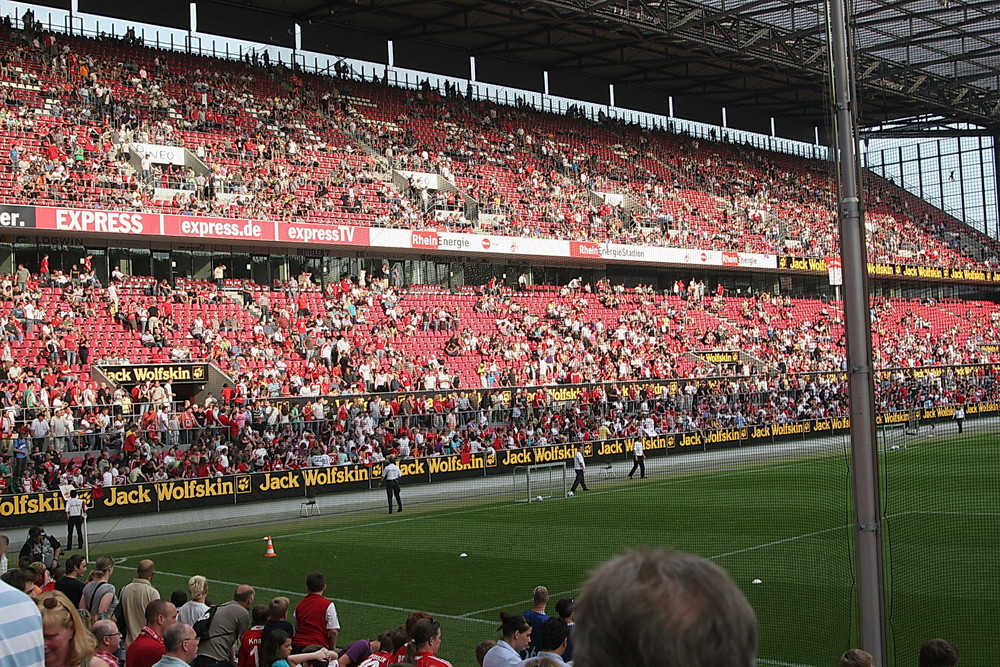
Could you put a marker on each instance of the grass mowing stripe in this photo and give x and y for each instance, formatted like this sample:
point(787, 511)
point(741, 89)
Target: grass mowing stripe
point(373, 605)
point(765, 545)
point(684, 476)
point(353, 526)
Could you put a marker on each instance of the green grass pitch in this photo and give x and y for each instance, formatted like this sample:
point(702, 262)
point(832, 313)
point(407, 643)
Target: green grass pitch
point(787, 523)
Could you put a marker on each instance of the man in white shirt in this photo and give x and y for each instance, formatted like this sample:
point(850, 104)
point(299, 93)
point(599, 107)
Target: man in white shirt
point(390, 476)
point(638, 459)
point(39, 431)
point(76, 510)
point(579, 467)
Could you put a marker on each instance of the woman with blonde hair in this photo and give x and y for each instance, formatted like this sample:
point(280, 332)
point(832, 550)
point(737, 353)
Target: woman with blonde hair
point(68, 642)
point(99, 597)
point(194, 608)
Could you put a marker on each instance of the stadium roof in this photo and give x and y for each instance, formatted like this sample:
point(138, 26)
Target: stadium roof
point(914, 57)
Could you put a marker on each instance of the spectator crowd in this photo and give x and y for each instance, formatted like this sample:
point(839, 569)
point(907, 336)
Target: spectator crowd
point(271, 143)
point(341, 374)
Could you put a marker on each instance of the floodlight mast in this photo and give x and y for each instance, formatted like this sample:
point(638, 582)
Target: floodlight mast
point(857, 322)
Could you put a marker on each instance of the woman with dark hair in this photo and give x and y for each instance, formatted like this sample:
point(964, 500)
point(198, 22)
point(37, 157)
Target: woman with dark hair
point(424, 645)
point(516, 635)
point(277, 652)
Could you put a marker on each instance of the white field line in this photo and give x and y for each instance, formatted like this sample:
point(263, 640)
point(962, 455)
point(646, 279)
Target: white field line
point(781, 541)
point(667, 479)
point(215, 545)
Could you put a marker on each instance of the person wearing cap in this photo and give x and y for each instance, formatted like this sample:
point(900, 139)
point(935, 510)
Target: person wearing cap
point(638, 459)
point(41, 547)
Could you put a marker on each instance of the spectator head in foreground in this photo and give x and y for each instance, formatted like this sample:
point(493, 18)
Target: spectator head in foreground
point(937, 653)
point(855, 657)
point(655, 608)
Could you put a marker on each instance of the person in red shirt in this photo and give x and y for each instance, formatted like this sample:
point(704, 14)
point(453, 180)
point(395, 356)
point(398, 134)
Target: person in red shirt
point(131, 440)
point(71, 344)
point(315, 616)
point(403, 642)
point(250, 642)
point(147, 648)
point(425, 642)
point(384, 654)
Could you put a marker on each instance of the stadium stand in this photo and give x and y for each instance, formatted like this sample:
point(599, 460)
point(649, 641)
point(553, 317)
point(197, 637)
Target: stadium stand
point(271, 144)
point(434, 352)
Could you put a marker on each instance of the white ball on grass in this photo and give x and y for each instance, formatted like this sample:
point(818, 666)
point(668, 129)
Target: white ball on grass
point(463, 555)
point(756, 581)
point(539, 499)
point(569, 494)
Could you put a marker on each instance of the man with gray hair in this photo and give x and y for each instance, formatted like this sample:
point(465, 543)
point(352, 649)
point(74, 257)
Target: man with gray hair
point(109, 640)
point(181, 643)
point(655, 608)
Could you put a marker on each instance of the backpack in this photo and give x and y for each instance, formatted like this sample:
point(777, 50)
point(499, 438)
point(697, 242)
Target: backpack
point(118, 616)
point(203, 624)
point(115, 613)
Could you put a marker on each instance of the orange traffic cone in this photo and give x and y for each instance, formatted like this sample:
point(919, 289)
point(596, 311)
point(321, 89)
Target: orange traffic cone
point(269, 552)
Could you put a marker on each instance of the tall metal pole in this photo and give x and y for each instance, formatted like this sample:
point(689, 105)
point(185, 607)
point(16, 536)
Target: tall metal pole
point(996, 188)
point(857, 318)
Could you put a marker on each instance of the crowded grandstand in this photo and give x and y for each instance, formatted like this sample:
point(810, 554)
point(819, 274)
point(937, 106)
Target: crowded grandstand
point(456, 363)
point(228, 282)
